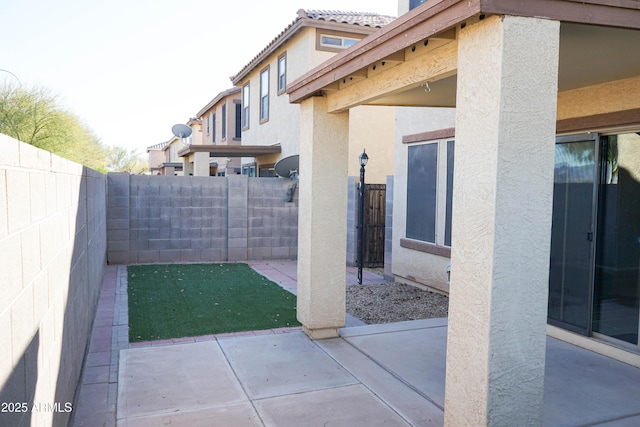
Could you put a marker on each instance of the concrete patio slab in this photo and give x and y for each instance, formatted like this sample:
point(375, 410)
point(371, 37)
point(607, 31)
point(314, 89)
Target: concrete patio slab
point(416, 356)
point(586, 388)
point(344, 406)
point(185, 377)
point(234, 414)
point(275, 365)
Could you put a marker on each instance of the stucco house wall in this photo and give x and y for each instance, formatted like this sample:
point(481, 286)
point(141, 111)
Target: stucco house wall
point(411, 265)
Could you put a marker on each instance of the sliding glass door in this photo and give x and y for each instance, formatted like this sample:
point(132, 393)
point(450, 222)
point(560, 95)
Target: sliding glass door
point(572, 229)
point(616, 312)
point(594, 277)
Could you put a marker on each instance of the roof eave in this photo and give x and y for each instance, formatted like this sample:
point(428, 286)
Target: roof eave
point(435, 17)
point(217, 99)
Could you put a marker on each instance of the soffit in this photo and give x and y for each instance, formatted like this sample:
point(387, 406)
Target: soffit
point(589, 54)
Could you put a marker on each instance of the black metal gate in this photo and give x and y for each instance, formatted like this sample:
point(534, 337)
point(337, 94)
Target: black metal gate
point(374, 222)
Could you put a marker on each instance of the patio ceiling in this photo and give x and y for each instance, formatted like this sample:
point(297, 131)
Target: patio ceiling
point(413, 61)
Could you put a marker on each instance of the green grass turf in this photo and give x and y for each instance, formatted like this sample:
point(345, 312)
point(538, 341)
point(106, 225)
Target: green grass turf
point(184, 300)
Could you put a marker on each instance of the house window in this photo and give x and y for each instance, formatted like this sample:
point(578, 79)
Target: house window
point(449, 208)
point(264, 95)
point(238, 124)
point(282, 73)
point(422, 183)
point(245, 106)
point(338, 42)
point(213, 128)
point(430, 172)
point(208, 117)
point(415, 3)
point(224, 122)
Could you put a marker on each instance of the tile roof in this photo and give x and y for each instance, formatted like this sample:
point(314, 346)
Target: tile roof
point(159, 146)
point(366, 19)
point(315, 18)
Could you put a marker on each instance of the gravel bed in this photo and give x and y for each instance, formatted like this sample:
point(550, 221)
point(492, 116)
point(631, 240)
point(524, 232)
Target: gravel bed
point(394, 302)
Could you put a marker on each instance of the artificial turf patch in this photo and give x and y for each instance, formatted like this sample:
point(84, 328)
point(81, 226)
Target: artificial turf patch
point(185, 300)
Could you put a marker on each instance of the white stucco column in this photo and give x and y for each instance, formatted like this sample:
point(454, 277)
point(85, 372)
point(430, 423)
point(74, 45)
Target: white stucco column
point(505, 134)
point(322, 218)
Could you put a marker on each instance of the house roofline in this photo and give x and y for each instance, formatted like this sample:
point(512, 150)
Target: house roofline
point(301, 21)
point(436, 17)
point(218, 98)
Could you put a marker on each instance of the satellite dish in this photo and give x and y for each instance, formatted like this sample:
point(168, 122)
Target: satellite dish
point(181, 131)
point(288, 167)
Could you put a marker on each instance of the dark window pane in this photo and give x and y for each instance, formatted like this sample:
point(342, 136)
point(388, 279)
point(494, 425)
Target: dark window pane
point(422, 179)
point(238, 121)
point(447, 223)
point(617, 284)
point(224, 121)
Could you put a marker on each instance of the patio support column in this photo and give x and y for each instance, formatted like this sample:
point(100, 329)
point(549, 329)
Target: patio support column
point(322, 218)
point(505, 135)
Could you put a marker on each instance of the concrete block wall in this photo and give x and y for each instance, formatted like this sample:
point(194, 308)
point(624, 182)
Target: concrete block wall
point(388, 230)
point(52, 259)
point(272, 220)
point(153, 219)
point(352, 221)
point(167, 219)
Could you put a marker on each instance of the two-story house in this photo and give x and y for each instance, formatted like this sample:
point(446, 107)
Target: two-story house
point(165, 158)
point(221, 134)
point(269, 120)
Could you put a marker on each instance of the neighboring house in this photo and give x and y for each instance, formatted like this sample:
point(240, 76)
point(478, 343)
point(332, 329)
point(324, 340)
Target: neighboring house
point(220, 131)
point(156, 157)
point(531, 193)
point(193, 164)
point(269, 120)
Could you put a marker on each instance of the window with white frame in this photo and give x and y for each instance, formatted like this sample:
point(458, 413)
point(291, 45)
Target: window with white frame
point(429, 171)
point(282, 73)
point(264, 95)
point(245, 106)
point(337, 42)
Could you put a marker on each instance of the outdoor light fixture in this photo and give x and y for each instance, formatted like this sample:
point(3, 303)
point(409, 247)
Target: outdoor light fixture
point(361, 193)
point(363, 162)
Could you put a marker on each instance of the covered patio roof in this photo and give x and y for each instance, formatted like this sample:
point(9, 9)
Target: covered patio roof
point(231, 150)
point(515, 70)
point(413, 61)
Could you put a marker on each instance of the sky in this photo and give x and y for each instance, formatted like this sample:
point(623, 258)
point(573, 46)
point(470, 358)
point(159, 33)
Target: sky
point(132, 69)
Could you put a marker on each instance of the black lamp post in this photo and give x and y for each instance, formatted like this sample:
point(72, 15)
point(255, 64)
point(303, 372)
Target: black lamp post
point(361, 191)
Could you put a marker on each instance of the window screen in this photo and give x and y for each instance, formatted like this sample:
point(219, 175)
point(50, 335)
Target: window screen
point(422, 181)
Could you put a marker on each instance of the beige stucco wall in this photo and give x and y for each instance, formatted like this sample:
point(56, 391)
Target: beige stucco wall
point(604, 98)
point(155, 157)
point(501, 222)
point(372, 128)
point(408, 265)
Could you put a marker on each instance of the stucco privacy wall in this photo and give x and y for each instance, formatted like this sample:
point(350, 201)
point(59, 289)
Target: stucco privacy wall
point(52, 259)
point(199, 219)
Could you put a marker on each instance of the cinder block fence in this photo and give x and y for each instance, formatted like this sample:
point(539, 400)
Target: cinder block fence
point(199, 219)
point(52, 260)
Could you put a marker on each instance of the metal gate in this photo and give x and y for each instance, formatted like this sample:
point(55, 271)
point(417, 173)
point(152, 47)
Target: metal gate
point(374, 219)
